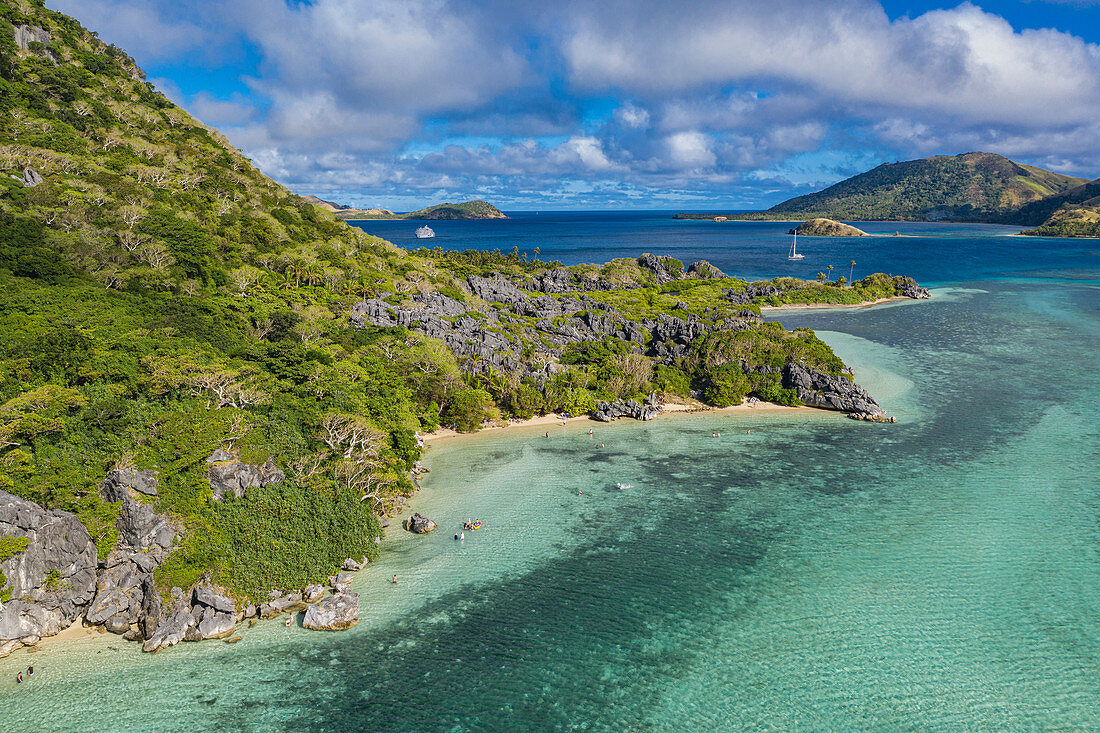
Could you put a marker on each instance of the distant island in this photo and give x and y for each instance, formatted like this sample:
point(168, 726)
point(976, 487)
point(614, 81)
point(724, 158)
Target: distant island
point(465, 210)
point(970, 187)
point(821, 227)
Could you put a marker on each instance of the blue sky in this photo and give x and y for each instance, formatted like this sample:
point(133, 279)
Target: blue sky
point(617, 103)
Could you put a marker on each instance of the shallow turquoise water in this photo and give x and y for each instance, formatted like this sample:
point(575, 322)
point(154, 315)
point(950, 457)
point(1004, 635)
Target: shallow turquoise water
point(814, 573)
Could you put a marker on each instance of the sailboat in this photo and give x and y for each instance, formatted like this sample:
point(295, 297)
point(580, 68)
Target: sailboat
point(793, 254)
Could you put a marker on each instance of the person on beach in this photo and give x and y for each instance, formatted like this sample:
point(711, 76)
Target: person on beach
point(395, 580)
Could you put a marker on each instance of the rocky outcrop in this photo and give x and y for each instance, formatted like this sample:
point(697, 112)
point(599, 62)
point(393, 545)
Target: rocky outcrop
point(170, 631)
point(120, 590)
point(703, 270)
point(353, 565)
point(342, 582)
point(52, 579)
point(313, 593)
point(420, 524)
point(229, 477)
point(608, 411)
point(908, 287)
point(821, 227)
point(31, 178)
point(337, 612)
point(291, 602)
point(119, 481)
point(817, 389)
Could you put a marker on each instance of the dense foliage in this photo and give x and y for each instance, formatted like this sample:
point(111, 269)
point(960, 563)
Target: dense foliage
point(465, 210)
point(162, 299)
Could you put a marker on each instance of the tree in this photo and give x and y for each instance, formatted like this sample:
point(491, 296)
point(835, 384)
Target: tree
point(830, 269)
point(851, 269)
point(469, 409)
point(821, 277)
point(352, 433)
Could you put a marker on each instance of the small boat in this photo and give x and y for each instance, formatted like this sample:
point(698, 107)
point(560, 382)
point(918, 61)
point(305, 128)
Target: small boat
point(472, 525)
point(793, 254)
point(623, 486)
point(424, 232)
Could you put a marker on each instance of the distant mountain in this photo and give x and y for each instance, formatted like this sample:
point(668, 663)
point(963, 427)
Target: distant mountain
point(327, 205)
point(968, 187)
point(465, 210)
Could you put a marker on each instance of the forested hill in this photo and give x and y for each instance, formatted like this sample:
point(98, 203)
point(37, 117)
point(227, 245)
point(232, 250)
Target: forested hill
point(1075, 213)
point(969, 187)
point(223, 382)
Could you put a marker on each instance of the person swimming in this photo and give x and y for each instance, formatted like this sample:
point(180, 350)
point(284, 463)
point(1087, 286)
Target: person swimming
point(463, 535)
point(19, 678)
point(395, 580)
point(289, 620)
point(30, 671)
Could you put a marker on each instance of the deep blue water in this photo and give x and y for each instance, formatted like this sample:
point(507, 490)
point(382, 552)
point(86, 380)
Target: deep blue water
point(932, 253)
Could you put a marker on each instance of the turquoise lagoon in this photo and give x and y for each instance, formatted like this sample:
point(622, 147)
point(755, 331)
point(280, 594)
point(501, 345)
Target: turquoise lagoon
point(802, 571)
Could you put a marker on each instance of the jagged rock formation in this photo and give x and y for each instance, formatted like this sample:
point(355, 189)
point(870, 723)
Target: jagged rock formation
point(31, 178)
point(51, 580)
point(227, 475)
point(831, 393)
point(608, 411)
point(337, 612)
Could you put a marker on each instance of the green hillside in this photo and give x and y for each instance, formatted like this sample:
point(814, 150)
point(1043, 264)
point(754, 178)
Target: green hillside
point(967, 187)
point(465, 210)
point(1074, 213)
point(161, 299)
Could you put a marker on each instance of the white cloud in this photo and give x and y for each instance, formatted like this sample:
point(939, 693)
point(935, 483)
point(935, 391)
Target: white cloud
point(138, 27)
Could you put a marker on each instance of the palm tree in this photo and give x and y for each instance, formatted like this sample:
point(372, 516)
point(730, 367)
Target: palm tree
point(830, 269)
point(821, 277)
point(851, 269)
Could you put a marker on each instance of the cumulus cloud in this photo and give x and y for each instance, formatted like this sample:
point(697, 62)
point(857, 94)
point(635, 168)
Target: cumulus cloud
point(632, 100)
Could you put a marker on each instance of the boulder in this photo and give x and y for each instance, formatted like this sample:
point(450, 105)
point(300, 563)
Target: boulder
point(204, 596)
point(171, 631)
point(337, 612)
point(21, 620)
point(215, 624)
point(228, 476)
point(355, 565)
point(31, 178)
point(117, 625)
point(313, 593)
point(119, 481)
point(291, 602)
point(342, 582)
point(420, 524)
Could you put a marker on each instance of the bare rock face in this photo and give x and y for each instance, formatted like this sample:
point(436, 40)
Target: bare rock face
point(342, 582)
point(334, 613)
point(228, 476)
point(119, 481)
point(420, 524)
point(353, 565)
point(833, 393)
point(313, 593)
point(31, 178)
point(291, 602)
point(53, 579)
point(205, 596)
point(171, 631)
point(120, 589)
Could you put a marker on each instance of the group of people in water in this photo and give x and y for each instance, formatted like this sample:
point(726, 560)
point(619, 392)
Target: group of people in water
point(30, 673)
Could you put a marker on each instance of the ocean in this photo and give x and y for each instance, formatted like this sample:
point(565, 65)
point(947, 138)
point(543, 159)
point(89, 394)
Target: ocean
point(801, 572)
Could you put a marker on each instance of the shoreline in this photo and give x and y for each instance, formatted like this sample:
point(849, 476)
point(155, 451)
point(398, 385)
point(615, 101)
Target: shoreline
point(673, 408)
point(826, 306)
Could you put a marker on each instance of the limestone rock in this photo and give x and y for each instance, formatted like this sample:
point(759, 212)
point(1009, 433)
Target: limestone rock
point(334, 613)
point(58, 546)
point(120, 591)
point(291, 602)
point(215, 624)
point(832, 393)
point(31, 178)
point(118, 481)
point(228, 476)
point(420, 524)
point(353, 565)
point(313, 593)
point(204, 596)
point(170, 631)
point(342, 582)
point(608, 411)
